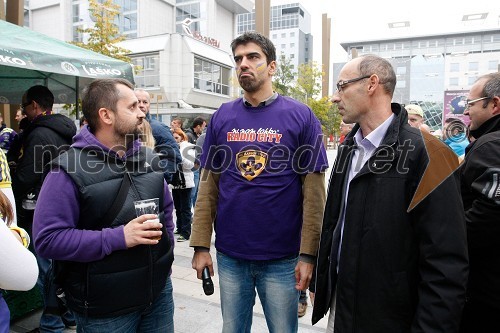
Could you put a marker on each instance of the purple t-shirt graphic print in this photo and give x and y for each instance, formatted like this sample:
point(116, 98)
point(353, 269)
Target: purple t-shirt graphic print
point(261, 154)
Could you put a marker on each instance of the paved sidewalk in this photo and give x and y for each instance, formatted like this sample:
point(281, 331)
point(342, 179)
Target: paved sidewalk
point(194, 311)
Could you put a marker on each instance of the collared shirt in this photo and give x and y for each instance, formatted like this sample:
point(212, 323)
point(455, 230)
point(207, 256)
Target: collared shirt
point(265, 102)
point(366, 148)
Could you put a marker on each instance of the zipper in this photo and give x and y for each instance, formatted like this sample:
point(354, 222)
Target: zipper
point(87, 287)
point(150, 275)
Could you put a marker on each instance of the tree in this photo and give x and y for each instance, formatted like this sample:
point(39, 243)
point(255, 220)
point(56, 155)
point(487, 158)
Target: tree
point(284, 76)
point(308, 82)
point(104, 35)
point(327, 114)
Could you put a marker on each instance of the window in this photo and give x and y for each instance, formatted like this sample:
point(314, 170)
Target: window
point(292, 34)
point(275, 36)
point(76, 13)
point(493, 65)
point(283, 35)
point(454, 67)
point(210, 76)
point(126, 20)
point(283, 46)
point(471, 80)
point(473, 66)
point(292, 56)
point(453, 81)
point(149, 69)
point(191, 11)
point(401, 84)
point(292, 44)
point(401, 70)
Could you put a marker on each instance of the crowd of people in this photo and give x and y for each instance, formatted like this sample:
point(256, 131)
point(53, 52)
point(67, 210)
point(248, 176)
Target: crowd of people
point(404, 239)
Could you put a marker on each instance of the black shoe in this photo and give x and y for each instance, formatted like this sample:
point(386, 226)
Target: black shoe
point(71, 324)
point(182, 239)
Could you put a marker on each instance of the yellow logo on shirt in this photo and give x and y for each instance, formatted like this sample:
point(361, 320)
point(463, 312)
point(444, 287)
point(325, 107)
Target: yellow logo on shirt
point(251, 163)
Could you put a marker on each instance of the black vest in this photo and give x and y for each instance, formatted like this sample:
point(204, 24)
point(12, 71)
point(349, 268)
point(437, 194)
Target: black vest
point(127, 280)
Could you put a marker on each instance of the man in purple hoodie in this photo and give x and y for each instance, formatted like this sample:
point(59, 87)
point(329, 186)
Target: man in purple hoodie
point(115, 272)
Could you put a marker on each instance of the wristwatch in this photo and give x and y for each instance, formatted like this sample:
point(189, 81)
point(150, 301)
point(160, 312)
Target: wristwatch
point(23, 234)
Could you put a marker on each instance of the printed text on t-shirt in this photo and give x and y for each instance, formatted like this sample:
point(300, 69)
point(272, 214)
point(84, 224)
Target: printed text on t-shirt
point(251, 135)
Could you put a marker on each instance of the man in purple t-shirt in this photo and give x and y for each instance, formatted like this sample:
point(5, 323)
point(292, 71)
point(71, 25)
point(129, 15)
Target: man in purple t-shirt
point(262, 176)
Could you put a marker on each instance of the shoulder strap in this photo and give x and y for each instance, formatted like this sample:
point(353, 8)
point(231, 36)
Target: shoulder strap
point(119, 201)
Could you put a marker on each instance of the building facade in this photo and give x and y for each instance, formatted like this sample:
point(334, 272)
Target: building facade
point(180, 47)
point(435, 71)
point(290, 31)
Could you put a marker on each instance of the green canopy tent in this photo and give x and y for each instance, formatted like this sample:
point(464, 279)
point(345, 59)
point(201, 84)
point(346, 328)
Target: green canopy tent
point(28, 58)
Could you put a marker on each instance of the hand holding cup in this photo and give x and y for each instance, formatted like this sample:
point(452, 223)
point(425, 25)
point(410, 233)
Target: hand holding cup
point(148, 206)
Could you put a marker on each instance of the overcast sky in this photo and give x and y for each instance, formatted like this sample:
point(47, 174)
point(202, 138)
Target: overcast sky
point(365, 20)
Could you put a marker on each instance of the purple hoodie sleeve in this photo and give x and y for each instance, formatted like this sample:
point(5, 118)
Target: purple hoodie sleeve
point(54, 225)
point(168, 207)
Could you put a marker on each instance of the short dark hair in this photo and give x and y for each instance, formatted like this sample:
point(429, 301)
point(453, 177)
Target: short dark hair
point(82, 121)
point(42, 95)
point(253, 37)
point(101, 93)
point(198, 121)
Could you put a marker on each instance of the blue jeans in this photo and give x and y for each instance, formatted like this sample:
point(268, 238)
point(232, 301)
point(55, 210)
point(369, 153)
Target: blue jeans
point(274, 281)
point(158, 317)
point(49, 323)
point(194, 193)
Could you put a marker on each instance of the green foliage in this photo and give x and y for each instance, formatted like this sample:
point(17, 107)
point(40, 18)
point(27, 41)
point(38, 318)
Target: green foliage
point(308, 84)
point(103, 36)
point(284, 76)
point(327, 113)
point(305, 86)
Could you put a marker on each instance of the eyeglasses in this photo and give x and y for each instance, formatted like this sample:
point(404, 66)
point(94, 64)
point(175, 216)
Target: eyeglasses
point(24, 105)
point(342, 84)
point(469, 103)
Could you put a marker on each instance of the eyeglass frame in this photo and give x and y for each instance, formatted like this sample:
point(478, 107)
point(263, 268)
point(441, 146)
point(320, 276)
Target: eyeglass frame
point(24, 105)
point(342, 84)
point(469, 103)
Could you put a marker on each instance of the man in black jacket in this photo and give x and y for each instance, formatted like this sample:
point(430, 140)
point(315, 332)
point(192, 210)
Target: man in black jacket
point(393, 253)
point(480, 185)
point(197, 127)
point(44, 138)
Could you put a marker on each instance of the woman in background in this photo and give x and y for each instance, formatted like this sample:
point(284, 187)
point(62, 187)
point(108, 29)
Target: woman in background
point(182, 193)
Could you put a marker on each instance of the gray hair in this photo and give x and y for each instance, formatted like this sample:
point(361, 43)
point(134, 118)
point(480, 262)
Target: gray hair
point(372, 64)
point(491, 86)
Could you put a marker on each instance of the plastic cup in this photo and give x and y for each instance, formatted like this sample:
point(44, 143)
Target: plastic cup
point(148, 206)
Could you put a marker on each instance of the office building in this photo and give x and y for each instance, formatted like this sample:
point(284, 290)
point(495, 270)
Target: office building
point(181, 46)
point(290, 31)
point(435, 71)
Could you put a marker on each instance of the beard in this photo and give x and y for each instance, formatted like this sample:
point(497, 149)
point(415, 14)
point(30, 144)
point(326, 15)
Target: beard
point(129, 132)
point(250, 83)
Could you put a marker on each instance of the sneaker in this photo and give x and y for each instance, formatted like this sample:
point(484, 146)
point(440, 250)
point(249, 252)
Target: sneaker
point(181, 238)
point(302, 309)
point(176, 232)
point(71, 324)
